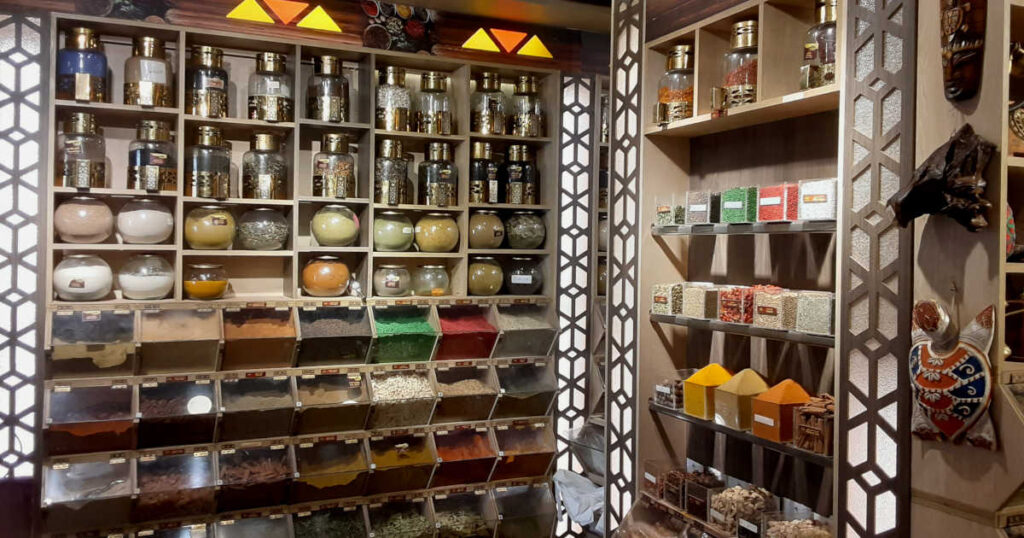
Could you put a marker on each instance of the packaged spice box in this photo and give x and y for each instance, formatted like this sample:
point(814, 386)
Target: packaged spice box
point(329, 468)
point(527, 389)
point(85, 344)
point(669, 393)
point(465, 514)
point(87, 492)
point(661, 299)
point(465, 456)
point(814, 424)
point(740, 505)
point(331, 402)
point(525, 510)
point(259, 338)
point(339, 521)
point(700, 301)
point(773, 411)
point(402, 518)
point(777, 203)
point(176, 411)
point(247, 525)
point(775, 309)
point(254, 406)
point(466, 333)
point(175, 485)
point(465, 393)
point(173, 341)
point(253, 475)
point(739, 205)
point(525, 331)
point(663, 210)
point(334, 336)
point(524, 450)
point(401, 398)
point(403, 334)
point(818, 199)
point(88, 417)
point(702, 207)
point(734, 399)
point(401, 462)
point(814, 311)
point(699, 390)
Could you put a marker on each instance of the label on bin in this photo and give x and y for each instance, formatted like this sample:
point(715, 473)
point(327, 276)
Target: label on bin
point(698, 208)
point(815, 198)
point(747, 525)
point(715, 514)
point(733, 204)
point(650, 478)
point(771, 200)
point(767, 421)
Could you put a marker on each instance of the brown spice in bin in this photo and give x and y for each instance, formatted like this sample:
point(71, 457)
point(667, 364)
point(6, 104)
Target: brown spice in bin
point(465, 387)
point(328, 393)
point(260, 323)
point(176, 325)
point(457, 446)
point(401, 452)
point(814, 422)
point(256, 470)
point(171, 494)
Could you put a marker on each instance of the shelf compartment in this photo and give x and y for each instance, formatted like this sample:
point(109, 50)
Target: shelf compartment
point(259, 338)
point(466, 392)
point(86, 493)
point(466, 333)
point(465, 514)
point(401, 397)
point(329, 468)
point(175, 484)
point(334, 336)
point(524, 450)
point(269, 526)
point(527, 389)
point(802, 226)
point(403, 334)
point(466, 455)
point(331, 402)
point(182, 340)
point(89, 416)
point(177, 411)
point(252, 475)
point(402, 518)
point(525, 331)
point(746, 330)
point(337, 521)
point(402, 462)
point(255, 405)
point(92, 344)
point(525, 511)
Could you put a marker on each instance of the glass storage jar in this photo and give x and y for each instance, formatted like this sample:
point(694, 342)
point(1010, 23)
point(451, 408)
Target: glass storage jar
point(819, 67)
point(602, 277)
point(82, 67)
point(523, 276)
point(392, 232)
point(525, 230)
point(327, 91)
point(520, 176)
point(325, 276)
point(489, 105)
point(393, 100)
point(392, 281)
point(270, 89)
point(83, 219)
point(486, 230)
point(262, 228)
point(602, 234)
point(148, 75)
point(145, 221)
point(209, 227)
point(146, 277)
point(409, 195)
point(264, 169)
point(484, 187)
point(437, 232)
point(391, 170)
point(675, 90)
point(434, 110)
point(431, 281)
point(207, 82)
point(205, 281)
point(335, 226)
point(152, 158)
point(740, 65)
point(208, 168)
point(334, 174)
point(485, 276)
point(439, 178)
point(82, 277)
point(527, 108)
point(82, 153)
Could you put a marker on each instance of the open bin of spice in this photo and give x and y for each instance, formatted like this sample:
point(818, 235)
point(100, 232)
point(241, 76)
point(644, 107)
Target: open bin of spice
point(528, 387)
point(736, 304)
point(330, 467)
point(775, 308)
point(525, 511)
point(334, 335)
point(328, 520)
point(773, 411)
point(175, 530)
point(183, 340)
point(702, 207)
point(778, 203)
point(258, 338)
point(818, 199)
point(734, 399)
point(465, 455)
point(247, 525)
point(402, 396)
point(466, 332)
point(467, 514)
point(799, 522)
point(700, 300)
point(406, 517)
point(466, 392)
point(524, 450)
point(699, 391)
point(175, 483)
point(739, 205)
point(89, 416)
point(649, 518)
point(251, 475)
point(331, 400)
point(403, 334)
point(699, 484)
point(87, 492)
point(526, 330)
point(739, 509)
point(178, 410)
point(401, 462)
point(85, 344)
point(255, 405)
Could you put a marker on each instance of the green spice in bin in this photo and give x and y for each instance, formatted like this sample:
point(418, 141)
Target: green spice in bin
point(403, 335)
point(739, 205)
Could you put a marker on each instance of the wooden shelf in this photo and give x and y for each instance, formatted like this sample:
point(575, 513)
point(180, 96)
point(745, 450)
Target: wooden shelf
point(409, 135)
point(419, 207)
point(511, 138)
point(1015, 162)
point(237, 253)
point(1016, 268)
point(458, 300)
point(235, 128)
point(336, 250)
point(234, 201)
point(512, 207)
point(114, 192)
point(509, 251)
point(782, 448)
point(100, 247)
point(328, 125)
point(385, 254)
point(779, 108)
point(807, 226)
point(746, 330)
point(328, 201)
point(116, 115)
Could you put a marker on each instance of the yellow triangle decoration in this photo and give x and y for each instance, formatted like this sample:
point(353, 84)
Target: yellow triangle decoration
point(534, 47)
point(249, 10)
point(481, 41)
point(318, 19)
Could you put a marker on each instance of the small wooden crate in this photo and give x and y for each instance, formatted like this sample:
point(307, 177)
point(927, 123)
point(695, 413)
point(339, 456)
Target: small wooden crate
point(814, 425)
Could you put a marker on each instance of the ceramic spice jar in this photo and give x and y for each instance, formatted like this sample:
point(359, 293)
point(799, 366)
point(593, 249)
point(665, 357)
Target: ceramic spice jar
point(209, 227)
point(325, 276)
point(83, 219)
point(145, 221)
point(486, 230)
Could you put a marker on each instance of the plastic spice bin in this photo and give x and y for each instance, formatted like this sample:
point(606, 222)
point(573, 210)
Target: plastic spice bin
point(699, 391)
point(175, 484)
point(403, 334)
point(259, 338)
point(270, 526)
point(646, 514)
point(802, 523)
point(254, 405)
point(329, 468)
point(173, 341)
point(466, 333)
point(86, 344)
point(734, 399)
point(654, 474)
point(525, 511)
point(698, 489)
point(738, 508)
point(176, 411)
point(465, 455)
point(669, 393)
point(775, 309)
point(587, 443)
point(334, 336)
point(526, 331)
point(254, 475)
point(87, 492)
point(663, 210)
point(527, 389)
point(334, 521)
point(524, 450)
point(661, 299)
point(466, 393)
point(700, 301)
point(773, 411)
point(331, 402)
point(777, 203)
point(702, 207)
point(89, 416)
point(818, 199)
point(465, 514)
point(814, 311)
point(175, 530)
point(736, 304)
point(401, 462)
point(402, 518)
point(739, 205)
point(401, 398)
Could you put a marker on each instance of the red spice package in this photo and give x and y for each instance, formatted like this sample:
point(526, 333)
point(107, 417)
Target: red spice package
point(778, 203)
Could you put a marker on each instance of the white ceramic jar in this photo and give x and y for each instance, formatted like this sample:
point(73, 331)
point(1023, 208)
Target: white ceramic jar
point(145, 221)
point(82, 277)
point(146, 277)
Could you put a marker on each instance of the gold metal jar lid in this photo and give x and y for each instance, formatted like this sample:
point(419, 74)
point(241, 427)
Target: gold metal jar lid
point(334, 143)
point(432, 81)
point(489, 81)
point(680, 57)
point(153, 130)
point(209, 135)
point(828, 10)
point(433, 266)
point(327, 65)
point(205, 265)
point(518, 153)
point(393, 75)
point(440, 216)
point(391, 266)
point(390, 148)
point(80, 123)
point(81, 38)
point(208, 56)
point(436, 150)
point(482, 150)
point(744, 34)
point(526, 84)
point(485, 212)
point(265, 142)
point(148, 47)
point(323, 258)
point(270, 62)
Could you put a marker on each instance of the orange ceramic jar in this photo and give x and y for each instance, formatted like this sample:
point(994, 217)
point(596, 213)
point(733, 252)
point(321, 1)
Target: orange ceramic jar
point(325, 276)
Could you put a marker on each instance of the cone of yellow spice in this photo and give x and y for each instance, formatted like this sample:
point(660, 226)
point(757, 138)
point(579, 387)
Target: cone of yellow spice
point(699, 390)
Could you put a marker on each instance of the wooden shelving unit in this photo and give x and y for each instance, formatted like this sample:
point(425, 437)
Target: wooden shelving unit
point(746, 330)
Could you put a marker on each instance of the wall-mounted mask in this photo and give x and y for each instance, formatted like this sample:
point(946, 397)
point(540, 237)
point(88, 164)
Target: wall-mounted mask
point(963, 47)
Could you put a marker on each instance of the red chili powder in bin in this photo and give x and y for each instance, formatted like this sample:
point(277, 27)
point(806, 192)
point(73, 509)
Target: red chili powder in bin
point(465, 334)
point(777, 203)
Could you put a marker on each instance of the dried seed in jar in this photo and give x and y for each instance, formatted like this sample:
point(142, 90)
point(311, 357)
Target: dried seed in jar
point(775, 309)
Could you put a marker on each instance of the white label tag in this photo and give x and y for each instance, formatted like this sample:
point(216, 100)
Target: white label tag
point(771, 200)
point(407, 230)
point(733, 205)
point(699, 207)
point(153, 71)
point(748, 525)
point(663, 389)
point(650, 477)
point(715, 514)
point(522, 279)
point(273, 85)
point(767, 421)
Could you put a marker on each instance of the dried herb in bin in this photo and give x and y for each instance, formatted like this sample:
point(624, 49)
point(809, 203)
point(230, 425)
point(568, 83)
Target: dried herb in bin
point(330, 523)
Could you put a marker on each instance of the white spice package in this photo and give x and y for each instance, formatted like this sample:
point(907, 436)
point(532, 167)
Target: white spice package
point(700, 301)
point(814, 312)
point(818, 199)
point(775, 309)
point(661, 299)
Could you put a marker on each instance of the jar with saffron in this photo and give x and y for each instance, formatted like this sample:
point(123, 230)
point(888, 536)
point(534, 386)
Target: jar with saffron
point(393, 100)
point(489, 105)
point(438, 185)
point(484, 187)
point(270, 89)
point(390, 172)
point(207, 81)
point(152, 158)
point(148, 75)
point(431, 281)
point(264, 169)
point(334, 168)
point(82, 67)
point(82, 153)
point(520, 176)
point(740, 65)
point(527, 108)
point(327, 91)
point(208, 168)
point(434, 110)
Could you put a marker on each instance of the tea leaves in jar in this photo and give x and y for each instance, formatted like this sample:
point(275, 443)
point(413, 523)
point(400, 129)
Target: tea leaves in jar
point(263, 229)
point(525, 230)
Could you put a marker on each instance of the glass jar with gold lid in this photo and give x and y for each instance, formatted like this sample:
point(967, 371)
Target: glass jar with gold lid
point(327, 91)
point(675, 90)
point(819, 67)
point(82, 67)
point(207, 81)
point(485, 276)
point(148, 74)
point(152, 158)
point(489, 105)
point(438, 177)
point(270, 89)
point(739, 66)
point(334, 168)
point(82, 153)
point(434, 110)
point(390, 172)
point(393, 100)
point(208, 168)
point(264, 169)
point(527, 108)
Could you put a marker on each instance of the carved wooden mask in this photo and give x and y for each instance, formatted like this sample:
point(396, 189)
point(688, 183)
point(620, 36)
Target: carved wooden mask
point(963, 47)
